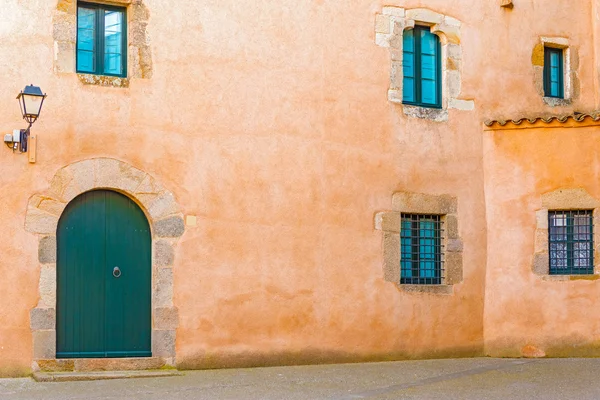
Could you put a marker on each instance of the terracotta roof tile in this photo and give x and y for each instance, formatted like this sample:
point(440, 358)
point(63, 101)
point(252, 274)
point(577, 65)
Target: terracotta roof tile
point(577, 117)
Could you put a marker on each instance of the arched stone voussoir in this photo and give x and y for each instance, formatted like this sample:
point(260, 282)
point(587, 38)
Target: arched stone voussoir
point(98, 173)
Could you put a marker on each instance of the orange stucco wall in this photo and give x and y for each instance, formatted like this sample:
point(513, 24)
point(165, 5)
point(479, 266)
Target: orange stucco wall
point(270, 122)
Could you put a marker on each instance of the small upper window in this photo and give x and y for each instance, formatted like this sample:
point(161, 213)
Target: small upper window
point(422, 66)
point(571, 242)
point(421, 249)
point(553, 73)
point(101, 40)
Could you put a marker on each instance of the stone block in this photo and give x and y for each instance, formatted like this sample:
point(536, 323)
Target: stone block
point(64, 57)
point(541, 219)
point(111, 173)
point(44, 344)
point(118, 364)
point(166, 318)
point(451, 226)
point(64, 27)
point(541, 263)
point(388, 221)
point(537, 56)
point(428, 289)
point(556, 42)
point(432, 114)
point(163, 343)
point(164, 254)
point(51, 206)
point(163, 205)
point(424, 15)
point(541, 240)
point(47, 286)
point(391, 257)
point(420, 203)
point(47, 250)
point(451, 33)
point(56, 365)
point(454, 51)
point(454, 245)
point(42, 319)
point(394, 11)
point(453, 83)
point(463, 105)
point(453, 264)
point(569, 199)
point(382, 24)
point(38, 221)
point(163, 289)
point(170, 227)
point(451, 21)
point(84, 174)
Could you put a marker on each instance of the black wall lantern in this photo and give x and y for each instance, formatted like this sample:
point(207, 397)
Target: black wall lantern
point(31, 100)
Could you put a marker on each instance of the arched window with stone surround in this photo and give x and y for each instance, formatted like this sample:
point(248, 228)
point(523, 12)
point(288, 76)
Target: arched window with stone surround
point(391, 26)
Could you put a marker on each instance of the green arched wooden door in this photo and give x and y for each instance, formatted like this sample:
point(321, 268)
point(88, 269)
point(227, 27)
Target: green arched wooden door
point(103, 278)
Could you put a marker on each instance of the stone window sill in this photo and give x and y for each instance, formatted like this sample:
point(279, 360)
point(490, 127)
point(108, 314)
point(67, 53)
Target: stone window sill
point(565, 278)
point(102, 80)
point(432, 114)
point(431, 289)
point(556, 102)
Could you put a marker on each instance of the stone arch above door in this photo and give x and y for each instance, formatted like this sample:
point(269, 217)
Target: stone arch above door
point(166, 221)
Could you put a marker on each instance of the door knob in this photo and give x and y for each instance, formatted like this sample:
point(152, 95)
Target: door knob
point(116, 272)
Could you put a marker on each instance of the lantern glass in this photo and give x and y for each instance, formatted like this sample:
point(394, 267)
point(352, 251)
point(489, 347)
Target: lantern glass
point(31, 100)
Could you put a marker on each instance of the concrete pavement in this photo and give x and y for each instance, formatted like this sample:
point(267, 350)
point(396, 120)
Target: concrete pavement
point(480, 379)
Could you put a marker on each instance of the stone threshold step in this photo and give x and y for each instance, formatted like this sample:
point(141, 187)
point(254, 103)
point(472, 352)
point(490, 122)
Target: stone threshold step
point(100, 364)
point(101, 375)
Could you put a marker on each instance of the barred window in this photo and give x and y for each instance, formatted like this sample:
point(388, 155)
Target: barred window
point(571, 242)
point(421, 255)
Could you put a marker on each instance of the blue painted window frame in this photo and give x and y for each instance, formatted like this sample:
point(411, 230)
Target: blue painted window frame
point(421, 249)
point(415, 70)
point(98, 39)
point(554, 85)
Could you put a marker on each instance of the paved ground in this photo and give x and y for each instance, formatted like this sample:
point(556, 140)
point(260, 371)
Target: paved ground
point(476, 379)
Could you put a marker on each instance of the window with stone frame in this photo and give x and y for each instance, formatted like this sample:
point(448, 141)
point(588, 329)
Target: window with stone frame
point(101, 39)
point(422, 249)
point(566, 242)
point(441, 34)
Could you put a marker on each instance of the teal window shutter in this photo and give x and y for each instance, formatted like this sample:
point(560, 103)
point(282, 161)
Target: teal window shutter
point(429, 68)
point(408, 67)
point(86, 40)
point(553, 72)
point(421, 68)
point(101, 39)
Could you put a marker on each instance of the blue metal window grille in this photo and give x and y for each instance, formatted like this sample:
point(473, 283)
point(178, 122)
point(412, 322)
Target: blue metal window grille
point(421, 253)
point(101, 40)
point(553, 73)
point(571, 241)
point(422, 68)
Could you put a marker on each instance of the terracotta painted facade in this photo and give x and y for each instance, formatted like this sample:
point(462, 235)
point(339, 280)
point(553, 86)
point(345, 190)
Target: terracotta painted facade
point(273, 130)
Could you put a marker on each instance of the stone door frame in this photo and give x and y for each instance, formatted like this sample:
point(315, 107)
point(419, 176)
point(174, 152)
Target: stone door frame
point(167, 226)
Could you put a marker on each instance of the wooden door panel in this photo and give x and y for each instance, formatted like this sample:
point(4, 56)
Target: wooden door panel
point(99, 315)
